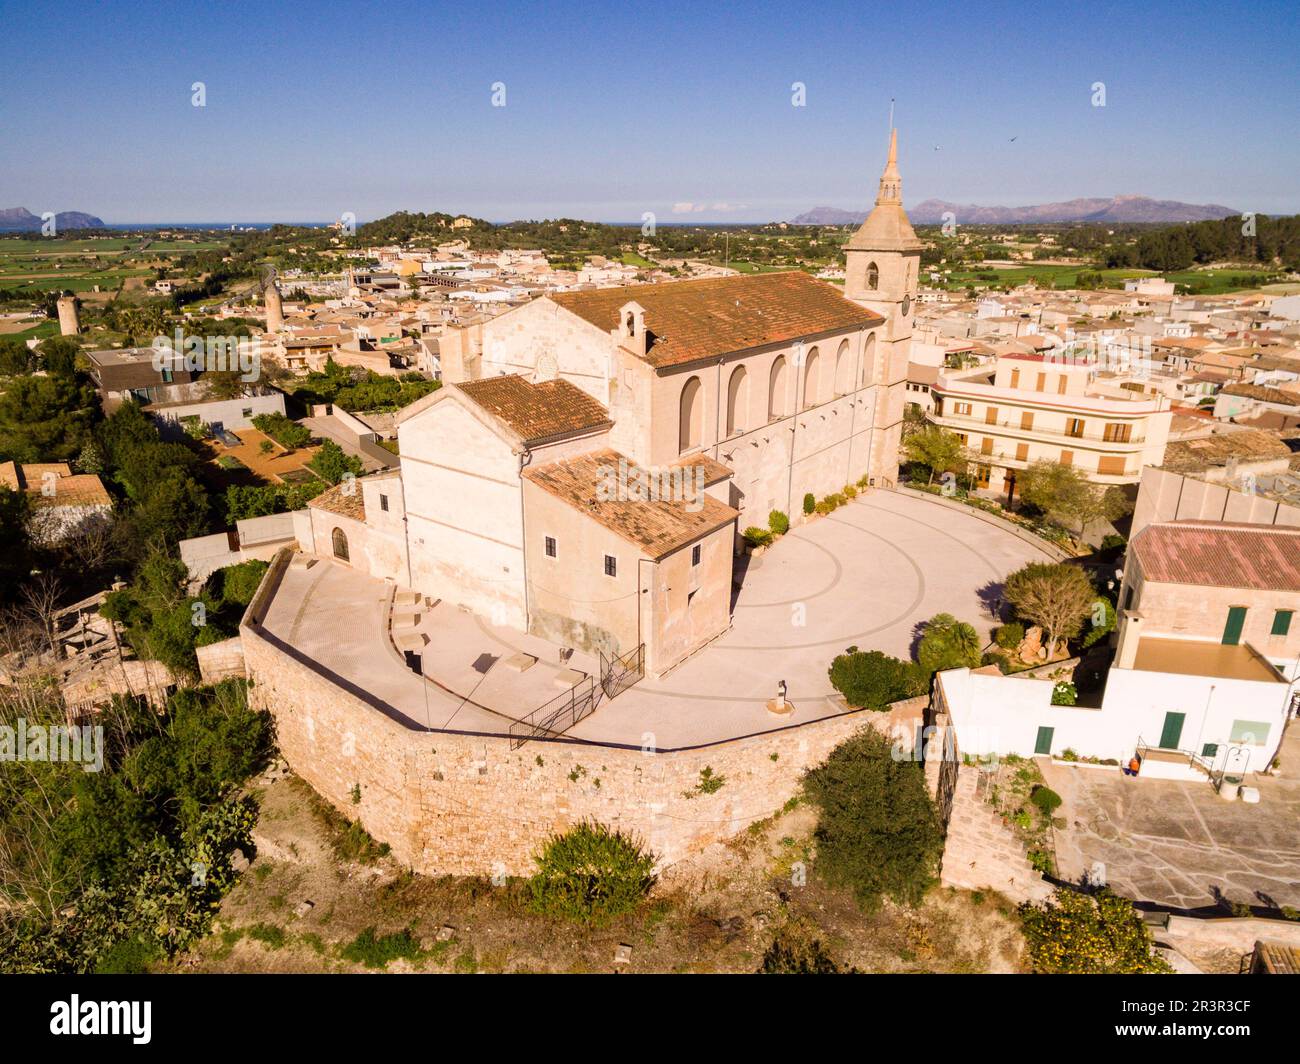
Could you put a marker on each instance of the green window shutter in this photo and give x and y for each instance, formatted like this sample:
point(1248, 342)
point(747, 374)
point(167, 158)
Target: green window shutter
point(1043, 743)
point(1236, 622)
point(1282, 622)
point(1210, 750)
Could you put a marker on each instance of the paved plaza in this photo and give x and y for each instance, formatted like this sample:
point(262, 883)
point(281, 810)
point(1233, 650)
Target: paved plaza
point(1178, 844)
point(863, 576)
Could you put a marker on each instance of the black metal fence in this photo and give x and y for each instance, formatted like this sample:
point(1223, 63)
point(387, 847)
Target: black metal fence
point(556, 716)
point(617, 674)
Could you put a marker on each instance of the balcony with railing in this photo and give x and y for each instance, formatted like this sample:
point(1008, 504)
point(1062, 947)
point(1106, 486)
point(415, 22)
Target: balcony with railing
point(1040, 433)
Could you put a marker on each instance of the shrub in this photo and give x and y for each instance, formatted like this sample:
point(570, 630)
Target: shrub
point(375, 951)
point(1113, 542)
point(809, 503)
point(778, 522)
point(824, 507)
point(1102, 621)
point(948, 644)
point(1065, 694)
point(878, 833)
point(591, 874)
point(757, 537)
point(797, 952)
point(283, 430)
point(1046, 799)
point(1078, 934)
point(1010, 636)
point(849, 491)
point(874, 680)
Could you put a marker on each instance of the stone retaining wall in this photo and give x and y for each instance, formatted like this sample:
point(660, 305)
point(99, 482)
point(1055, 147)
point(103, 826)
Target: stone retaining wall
point(466, 804)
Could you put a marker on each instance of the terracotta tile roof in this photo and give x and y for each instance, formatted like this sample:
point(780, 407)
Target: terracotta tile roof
point(714, 470)
point(690, 320)
point(81, 489)
point(344, 499)
point(537, 411)
point(1220, 554)
point(1210, 452)
point(658, 527)
point(1276, 958)
point(1262, 394)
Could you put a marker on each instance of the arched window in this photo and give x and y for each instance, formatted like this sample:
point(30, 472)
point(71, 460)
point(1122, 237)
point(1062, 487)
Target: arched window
point(873, 276)
point(738, 401)
point(631, 323)
point(340, 544)
point(778, 390)
point(811, 388)
point(843, 369)
point(691, 425)
point(869, 360)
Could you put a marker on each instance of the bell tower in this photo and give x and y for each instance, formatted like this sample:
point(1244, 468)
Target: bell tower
point(882, 266)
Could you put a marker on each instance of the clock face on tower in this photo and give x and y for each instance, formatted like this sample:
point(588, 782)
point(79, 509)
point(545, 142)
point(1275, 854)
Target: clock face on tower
point(907, 305)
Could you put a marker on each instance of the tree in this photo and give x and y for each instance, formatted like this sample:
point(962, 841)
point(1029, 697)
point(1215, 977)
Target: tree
point(873, 680)
point(332, 463)
point(58, 354)
point(939, 450)
point(878, 833)
point(1079, 934)
point(45, 419)
point(948, 644)
point(1058, 597)
point(15, 561)
point(591, 874)
point(224, 384)
point(1066, 495)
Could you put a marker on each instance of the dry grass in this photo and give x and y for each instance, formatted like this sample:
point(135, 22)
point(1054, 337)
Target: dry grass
point(717, 912)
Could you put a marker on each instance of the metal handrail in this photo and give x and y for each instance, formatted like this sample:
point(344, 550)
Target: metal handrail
point(548, 718)
point(1035, 430)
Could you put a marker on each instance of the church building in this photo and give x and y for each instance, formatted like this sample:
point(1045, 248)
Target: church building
point(588, 475)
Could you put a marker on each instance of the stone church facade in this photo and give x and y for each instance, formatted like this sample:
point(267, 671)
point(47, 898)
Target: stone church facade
point(756, 390)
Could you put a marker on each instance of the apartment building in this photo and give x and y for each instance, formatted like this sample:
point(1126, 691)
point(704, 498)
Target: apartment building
point(1036, 407)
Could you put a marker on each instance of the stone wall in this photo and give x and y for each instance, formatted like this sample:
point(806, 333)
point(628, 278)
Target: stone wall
point(463, 803)
point(982, 853)
point(218, 661)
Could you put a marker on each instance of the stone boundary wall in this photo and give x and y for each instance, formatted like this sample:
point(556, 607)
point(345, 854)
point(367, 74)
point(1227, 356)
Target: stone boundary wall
point(217, 661)
point(1237, 933)
point(1050, 549)
point(467, 804)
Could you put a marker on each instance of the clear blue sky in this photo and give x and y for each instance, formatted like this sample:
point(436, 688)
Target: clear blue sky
point(314, 109)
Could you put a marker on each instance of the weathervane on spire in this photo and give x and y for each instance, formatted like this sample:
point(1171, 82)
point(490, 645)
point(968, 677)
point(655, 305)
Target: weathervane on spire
point(891, 112)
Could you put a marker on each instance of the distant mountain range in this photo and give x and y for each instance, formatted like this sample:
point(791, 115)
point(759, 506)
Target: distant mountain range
point(21, 220)
point(1115, 209)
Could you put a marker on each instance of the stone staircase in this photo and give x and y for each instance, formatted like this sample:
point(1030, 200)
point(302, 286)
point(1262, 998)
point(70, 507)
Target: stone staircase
point(982, 853)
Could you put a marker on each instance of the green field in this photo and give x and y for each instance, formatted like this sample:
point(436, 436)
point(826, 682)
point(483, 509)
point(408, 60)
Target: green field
point(1200, 282)
point(28, 265)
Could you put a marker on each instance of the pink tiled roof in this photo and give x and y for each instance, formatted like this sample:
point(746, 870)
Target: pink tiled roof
point(1220, 554)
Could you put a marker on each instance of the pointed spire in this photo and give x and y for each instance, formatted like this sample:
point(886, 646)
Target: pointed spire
point(891, 182)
